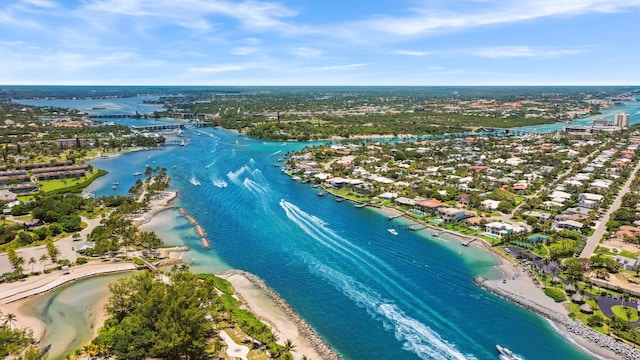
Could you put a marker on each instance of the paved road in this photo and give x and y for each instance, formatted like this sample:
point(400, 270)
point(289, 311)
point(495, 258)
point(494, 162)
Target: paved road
point(594, 239)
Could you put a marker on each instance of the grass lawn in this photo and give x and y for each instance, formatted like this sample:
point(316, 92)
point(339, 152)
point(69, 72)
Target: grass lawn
point(621, 312)
point(70, 185)
point(556, 294)
point(49, 185)
point(519, 199)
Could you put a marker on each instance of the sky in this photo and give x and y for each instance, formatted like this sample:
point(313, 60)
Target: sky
point(319, 42)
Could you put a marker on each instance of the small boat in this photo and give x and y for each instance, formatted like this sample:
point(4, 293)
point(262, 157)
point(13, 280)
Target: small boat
point(339, 199)
point(276, 165)
point(114, 187)
point(393, 231)
point(316, 186)
point(507, 354)
point(115, 183)
point(137, 173)
point(436, 234)
point(361, 205)
point(322, 193)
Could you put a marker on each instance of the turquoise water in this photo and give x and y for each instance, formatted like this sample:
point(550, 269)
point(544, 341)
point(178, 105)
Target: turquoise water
point(67, 313)
point(367, 293)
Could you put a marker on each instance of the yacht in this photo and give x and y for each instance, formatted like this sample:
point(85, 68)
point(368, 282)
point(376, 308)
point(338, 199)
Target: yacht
point(393, 231)
point(507, 354)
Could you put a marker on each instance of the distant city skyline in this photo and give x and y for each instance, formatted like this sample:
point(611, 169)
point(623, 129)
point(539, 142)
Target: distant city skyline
point(352, 42)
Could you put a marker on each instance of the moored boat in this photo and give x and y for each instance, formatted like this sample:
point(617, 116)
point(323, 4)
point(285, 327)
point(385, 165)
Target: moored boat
point(393, 231)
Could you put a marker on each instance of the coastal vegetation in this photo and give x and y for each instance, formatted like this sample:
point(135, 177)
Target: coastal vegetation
point(16, 343)
point(143, 324)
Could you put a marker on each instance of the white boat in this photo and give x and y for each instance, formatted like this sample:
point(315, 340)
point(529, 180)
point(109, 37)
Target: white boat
point(507, 354)
point(393, 231)
point(137, 173)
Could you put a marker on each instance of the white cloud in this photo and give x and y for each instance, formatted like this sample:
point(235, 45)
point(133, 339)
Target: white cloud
point(217, 68)
point(306, 52)
point(340, 67)
point(519, 51)
point(41, 3)
point(411, 52)
point(429, 20)
point(244, 50)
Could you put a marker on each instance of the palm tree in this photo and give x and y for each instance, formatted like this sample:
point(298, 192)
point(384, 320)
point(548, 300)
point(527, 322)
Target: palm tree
point(43, 259)
point(9, 319)
point(32, 261)
point(289, 346)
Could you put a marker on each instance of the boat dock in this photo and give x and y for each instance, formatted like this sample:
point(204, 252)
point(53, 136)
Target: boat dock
point(466, 243)
point(416, 227)
point(391, 217)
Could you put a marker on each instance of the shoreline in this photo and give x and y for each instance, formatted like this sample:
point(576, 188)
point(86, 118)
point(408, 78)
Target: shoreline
point(14, 298)
point(528, 295)
point(290, 325)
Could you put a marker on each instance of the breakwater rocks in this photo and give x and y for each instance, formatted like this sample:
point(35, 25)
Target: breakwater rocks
point(203, 239)
point(303, 328)
point(603, 341)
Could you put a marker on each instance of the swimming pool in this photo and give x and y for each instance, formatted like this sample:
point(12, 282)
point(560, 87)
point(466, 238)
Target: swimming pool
point(493, 236)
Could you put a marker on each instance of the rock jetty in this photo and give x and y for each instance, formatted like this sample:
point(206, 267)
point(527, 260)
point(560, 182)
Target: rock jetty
point(601, 340)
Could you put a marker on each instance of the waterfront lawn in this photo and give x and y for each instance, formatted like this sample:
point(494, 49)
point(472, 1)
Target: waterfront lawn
point(69, 185)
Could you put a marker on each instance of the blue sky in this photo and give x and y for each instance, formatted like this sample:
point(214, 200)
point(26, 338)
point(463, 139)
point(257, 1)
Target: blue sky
point(320, 42)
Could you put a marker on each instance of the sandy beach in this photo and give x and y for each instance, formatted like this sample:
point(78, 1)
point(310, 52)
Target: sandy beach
point(272, 310)
point(13, 296)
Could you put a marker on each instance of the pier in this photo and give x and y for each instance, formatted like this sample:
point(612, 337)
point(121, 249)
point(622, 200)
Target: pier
point(391, 217)
point(416, 227)
point(466, 243)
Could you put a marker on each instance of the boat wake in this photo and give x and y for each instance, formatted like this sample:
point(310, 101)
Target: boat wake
point(194, 181)
point(234, 176)
point(416, 336)
point(254, 187)
point(219, 183)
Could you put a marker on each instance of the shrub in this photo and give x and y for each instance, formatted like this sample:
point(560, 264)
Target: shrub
point(556, 294)
point(81, 260)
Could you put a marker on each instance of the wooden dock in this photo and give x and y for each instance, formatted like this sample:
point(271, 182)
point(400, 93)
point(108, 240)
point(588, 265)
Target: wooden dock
point(391, 217)
point(466, 243)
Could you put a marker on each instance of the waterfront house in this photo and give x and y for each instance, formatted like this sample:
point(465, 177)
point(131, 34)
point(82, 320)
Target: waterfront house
point(454, 214)
point(429, 205)
point(500, 229)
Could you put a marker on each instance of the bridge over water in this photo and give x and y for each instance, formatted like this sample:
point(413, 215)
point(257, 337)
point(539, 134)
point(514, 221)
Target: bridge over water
point(159, 127)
